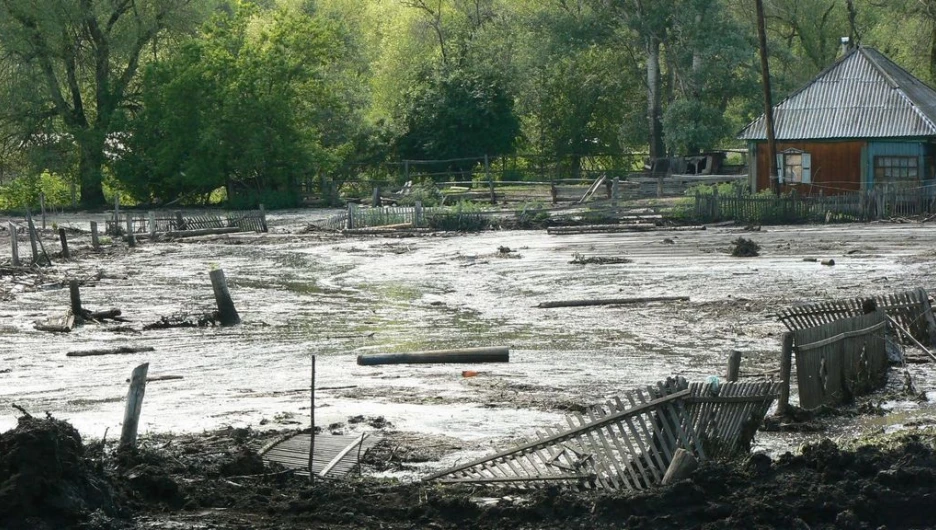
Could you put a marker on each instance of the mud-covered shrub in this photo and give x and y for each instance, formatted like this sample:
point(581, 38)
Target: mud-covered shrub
point(745, 248)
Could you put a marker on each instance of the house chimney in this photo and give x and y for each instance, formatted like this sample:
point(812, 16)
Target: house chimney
point(846, 45)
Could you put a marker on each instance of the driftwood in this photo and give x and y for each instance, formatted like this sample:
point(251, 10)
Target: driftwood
point(111, 351)
point(161, 378)
point(463, 355)
point(128, 433)
point(182, 321)
point(633, 227)
point(613, 301)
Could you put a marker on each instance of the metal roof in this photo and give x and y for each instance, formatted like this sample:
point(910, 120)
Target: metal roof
point(863, 95)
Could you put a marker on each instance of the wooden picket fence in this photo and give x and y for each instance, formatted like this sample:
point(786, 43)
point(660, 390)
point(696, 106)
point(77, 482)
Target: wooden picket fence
point(726, 416)
point(854, 206)
point(624, 444)
point(911, 309)
point(141, 222)
point(628, 442)
point(841, 359)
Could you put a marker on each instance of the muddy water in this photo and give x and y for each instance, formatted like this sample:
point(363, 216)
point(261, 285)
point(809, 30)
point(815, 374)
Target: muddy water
point(301, 294)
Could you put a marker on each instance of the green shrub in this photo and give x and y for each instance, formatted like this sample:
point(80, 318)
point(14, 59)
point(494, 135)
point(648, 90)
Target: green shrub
point(270, 199)
point(24, 191)
point(428, 194)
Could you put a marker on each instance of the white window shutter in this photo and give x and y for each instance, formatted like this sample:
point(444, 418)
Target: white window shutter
point(780, 166)
point(807, 168)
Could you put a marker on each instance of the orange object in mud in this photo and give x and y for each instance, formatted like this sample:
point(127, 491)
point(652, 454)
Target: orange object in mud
point(469, 373)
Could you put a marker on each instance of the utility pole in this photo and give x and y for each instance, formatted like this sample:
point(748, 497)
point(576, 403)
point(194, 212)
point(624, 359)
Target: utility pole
point(768, 100)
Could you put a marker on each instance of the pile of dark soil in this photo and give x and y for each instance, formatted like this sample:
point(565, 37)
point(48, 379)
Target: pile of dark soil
point(46, 479)
point(218, 480)
point(745, 248)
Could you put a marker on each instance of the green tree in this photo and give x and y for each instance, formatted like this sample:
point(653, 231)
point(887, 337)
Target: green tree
point(459, 114)
point(250, 105)
point(79, 60)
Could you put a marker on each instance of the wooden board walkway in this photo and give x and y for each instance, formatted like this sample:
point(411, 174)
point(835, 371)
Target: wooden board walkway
point(293, 453)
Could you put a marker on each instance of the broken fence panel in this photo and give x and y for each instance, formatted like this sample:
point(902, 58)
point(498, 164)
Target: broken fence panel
point(726, 417)
point(841, 359)
point(616, 445)
point(911, 309)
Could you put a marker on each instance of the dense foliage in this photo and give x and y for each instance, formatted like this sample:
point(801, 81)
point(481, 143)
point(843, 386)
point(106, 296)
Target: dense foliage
point(270, 100)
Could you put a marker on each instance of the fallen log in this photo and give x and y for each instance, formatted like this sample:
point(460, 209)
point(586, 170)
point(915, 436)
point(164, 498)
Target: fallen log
point(613, 301)
point(462, 355)
point(161, 378)
point(610, 229)
point(120, 350)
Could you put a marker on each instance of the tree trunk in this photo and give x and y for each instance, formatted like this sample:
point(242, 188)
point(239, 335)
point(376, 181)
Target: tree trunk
point(654, 95)
point(90, 163)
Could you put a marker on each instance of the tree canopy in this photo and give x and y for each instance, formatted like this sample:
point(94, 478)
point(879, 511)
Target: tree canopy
point(170, 100)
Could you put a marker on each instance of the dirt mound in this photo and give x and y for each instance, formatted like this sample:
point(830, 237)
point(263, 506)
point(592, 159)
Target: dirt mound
point(45, 479)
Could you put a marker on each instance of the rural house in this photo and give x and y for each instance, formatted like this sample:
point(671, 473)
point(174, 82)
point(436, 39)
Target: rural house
point(863, 123)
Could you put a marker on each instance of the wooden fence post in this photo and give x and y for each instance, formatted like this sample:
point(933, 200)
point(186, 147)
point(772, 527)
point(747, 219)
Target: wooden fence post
point(117, 213)
point(128, 433)
point(417, 214)
point(350, 215)
point(152, 225)
point(375, 199)
point(75, 296)
point(64, 240)
point(33, 237)
point(14, 244)
point(734, 366)
point(312, 432)
point(786, 371)
point(490, 179)
point(42, 209)
point(263, 225)
point(682, 465)
point(131, 237)
point(615, 195)
point(95, 241)
point(227, 313)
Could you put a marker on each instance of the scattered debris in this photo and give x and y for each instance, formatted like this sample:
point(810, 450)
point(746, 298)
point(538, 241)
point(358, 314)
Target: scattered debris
point(580, 259)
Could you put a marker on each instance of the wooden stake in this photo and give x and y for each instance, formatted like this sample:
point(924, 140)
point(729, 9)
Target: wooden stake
point(14, 245)
point(34, 241)
point(312, 432)
point(75, 296)
point(131, 422)
point(180, 221)
point(227, 313)
point(734, 366)
point(263, 225)
point(682, 465)
point(152, 224)
point(786, 372)
point(95, 241)
point(42, 209)
point(131, 237)
point(417, 214)
point(490, 179)
point(64, 241)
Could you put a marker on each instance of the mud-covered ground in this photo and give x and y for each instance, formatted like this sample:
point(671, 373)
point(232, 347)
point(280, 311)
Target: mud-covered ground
point(302, 292)
point(50, 480)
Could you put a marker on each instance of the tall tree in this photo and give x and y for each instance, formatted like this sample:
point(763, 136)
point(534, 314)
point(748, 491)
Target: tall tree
point(81, 58)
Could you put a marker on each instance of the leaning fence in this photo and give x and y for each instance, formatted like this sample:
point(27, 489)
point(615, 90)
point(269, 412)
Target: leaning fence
point(840, 360)
point(165, 222)
point(910, 309)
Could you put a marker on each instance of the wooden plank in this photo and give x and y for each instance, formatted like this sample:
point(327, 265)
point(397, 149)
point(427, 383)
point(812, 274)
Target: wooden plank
point(342, 454)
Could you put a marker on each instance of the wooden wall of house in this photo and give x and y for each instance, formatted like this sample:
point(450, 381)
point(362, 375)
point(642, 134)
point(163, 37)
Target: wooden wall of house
point(836, 166)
